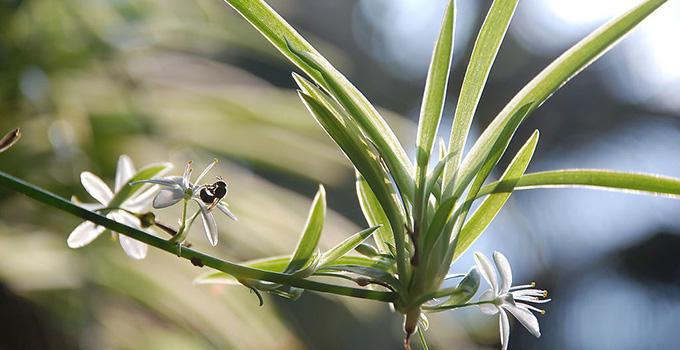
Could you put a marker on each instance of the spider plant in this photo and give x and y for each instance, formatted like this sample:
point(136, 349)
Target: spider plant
point(419, 215)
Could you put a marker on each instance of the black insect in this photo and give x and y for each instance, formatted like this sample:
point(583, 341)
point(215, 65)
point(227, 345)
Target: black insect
point(212, 194)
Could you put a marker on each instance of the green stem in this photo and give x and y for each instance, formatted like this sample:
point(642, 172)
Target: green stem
point(423, 342)
point(184, 228)
point(236, 270)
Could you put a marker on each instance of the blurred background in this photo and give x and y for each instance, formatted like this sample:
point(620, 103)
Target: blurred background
point(88, 80)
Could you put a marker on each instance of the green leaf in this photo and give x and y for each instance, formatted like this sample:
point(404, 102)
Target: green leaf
point(375, 216)
point(145, 173)
point(491, 205)
point(279, 264)
point(367, 250)
point(483, 55)
point(435, 230)
point(309, 240)
point(360, 111)
point(439, 234)
point(274, 264)
point(547, 82)
point(589, 178)
point(380, 263)
point(436, 174)
point(346, 246)
point(368, 166)
point(488, 156)
point(275, 29)
point(433, 106)
point(369, 272)
point(458, 296)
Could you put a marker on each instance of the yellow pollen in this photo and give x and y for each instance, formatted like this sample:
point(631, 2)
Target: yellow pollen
point(533, 284)
point(545, 293)
point(542, 312)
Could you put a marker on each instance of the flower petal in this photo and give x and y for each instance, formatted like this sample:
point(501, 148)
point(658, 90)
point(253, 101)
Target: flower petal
point(125, 170)
point(88, 206)
point(205, 171)
point(209, 224)
point(186, 177)
point(489, 309)
point(526, 318)
point(84, 234)
point(504, 270)
point(140, 201)
point(225, 209)
point(167, 197)
point(170, 181)
point(96, 187)
point(133, 248)
point(505, 329)
point(486, 269)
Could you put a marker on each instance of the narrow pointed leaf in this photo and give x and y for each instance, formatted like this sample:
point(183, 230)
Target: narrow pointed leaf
point(375, 216)
point(483, 55)
point(539, 89)
point(279, 264)
point(309, 240)
point(278, 32)
point(369, 272)
point(274, 264)
point(433, 106)
point(458, 296)
point(367, 250)
point(367, 165)
point(491, 205)
point(346, 246)
point(440, 238)
point(361, 111)
point(590, 178)
point(436, 174)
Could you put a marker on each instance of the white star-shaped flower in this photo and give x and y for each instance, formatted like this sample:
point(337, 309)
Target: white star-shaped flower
point(208, 197)
point(504, 298)
point(88, 231)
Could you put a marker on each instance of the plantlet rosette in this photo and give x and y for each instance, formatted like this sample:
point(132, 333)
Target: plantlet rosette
point(419, 216)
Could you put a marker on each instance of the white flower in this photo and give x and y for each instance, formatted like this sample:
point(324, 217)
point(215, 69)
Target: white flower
point(505, 298)
point(178, 188)
point(88, 231)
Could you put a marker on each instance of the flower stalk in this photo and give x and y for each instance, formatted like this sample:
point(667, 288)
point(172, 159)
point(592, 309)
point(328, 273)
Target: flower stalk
point(228, 267)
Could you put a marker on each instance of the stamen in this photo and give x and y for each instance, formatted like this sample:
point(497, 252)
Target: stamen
point(524, 286)
point(205, 171)
point(530, 307)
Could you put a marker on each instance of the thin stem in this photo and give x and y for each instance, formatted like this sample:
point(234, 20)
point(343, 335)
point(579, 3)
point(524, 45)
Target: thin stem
point(236, 270)
point(184, 228)
point(423, 342)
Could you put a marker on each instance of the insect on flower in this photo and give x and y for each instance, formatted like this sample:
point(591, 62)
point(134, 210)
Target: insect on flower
point(213, 194)
point(178, 189)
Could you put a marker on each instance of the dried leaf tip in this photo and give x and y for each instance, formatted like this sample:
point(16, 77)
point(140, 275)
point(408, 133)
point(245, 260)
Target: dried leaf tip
point(10, 139)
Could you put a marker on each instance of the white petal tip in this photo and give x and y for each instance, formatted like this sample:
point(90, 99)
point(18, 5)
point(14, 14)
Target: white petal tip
point(73, 245)
point(137, 257)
